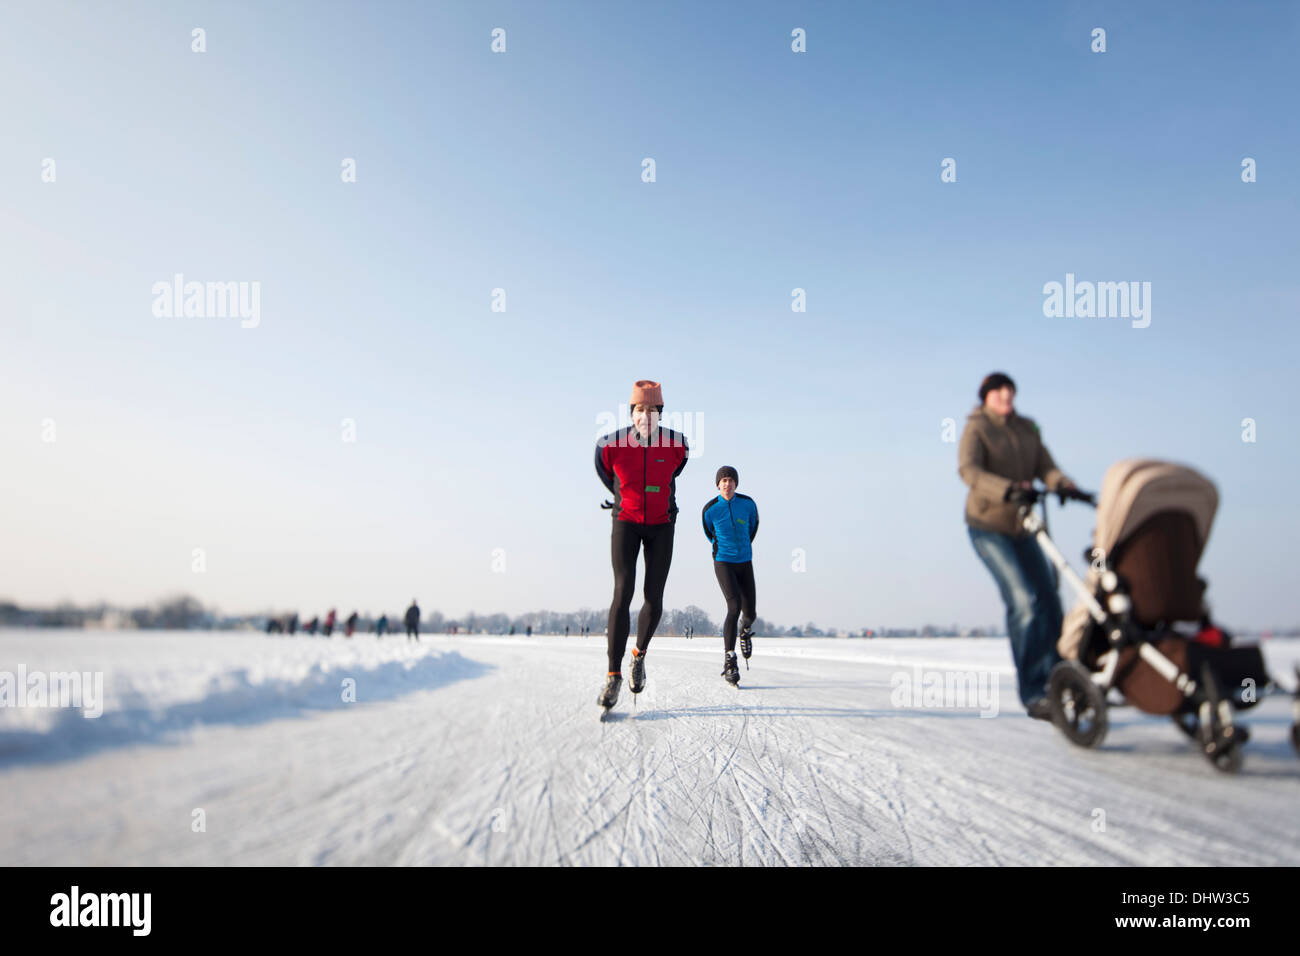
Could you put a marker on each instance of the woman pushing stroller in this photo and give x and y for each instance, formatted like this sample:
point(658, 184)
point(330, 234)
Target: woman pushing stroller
point(1000, 455)
point(1141, 626)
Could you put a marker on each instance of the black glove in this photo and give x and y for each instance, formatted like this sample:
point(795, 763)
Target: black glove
point(607, 505)
point(1071, 493)
point(1020, 496)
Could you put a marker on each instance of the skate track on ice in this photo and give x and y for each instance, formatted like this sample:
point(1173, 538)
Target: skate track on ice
point(503, 760)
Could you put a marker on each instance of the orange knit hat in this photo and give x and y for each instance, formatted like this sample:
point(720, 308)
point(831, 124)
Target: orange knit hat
point(646, 392)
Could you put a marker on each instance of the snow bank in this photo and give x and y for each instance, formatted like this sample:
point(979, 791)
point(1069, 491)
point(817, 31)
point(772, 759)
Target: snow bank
point(156, 683)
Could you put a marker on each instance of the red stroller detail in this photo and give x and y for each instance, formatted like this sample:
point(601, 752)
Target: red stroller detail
point(1141, 625)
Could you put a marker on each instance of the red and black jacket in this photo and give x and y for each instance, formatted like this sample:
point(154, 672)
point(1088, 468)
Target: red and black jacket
point(642, 477)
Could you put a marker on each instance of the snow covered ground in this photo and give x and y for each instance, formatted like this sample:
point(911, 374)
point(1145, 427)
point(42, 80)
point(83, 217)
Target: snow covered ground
point(488, 750)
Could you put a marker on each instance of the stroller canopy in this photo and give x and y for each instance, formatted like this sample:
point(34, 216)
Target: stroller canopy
point(1137, 488)
point(1133, 491)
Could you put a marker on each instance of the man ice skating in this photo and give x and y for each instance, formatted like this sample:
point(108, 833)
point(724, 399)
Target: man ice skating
point(413, 621)
point(639, 465)
point(730, 522)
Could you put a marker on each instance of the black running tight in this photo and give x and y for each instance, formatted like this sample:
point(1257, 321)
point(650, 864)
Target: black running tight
point(628, 538)
point(737, 581)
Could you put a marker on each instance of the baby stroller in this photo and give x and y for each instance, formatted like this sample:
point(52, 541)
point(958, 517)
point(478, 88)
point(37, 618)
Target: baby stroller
point(1142, 626)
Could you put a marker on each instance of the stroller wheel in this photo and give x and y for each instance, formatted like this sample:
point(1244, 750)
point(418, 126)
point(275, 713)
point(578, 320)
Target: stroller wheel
point(1220, 738)
point(1227, 760)
point(1078, 705)
point(1221, 746)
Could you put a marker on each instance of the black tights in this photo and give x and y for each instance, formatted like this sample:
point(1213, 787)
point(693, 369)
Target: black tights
point(628, 538)
point(737, 581)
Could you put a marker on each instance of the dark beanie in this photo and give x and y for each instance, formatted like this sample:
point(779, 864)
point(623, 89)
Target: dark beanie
point(726, 471)
point(993, 382)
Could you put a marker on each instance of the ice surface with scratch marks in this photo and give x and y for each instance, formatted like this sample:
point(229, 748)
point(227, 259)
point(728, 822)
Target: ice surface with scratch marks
point(488, 751)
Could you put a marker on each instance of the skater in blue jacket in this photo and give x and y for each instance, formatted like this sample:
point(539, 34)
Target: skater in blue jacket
point(730, 522)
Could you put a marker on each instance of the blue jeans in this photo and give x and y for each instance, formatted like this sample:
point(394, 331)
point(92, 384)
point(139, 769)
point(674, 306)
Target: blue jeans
point(1028, 589)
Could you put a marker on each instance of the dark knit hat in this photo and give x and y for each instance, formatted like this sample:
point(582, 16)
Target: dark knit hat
point(994, 381)
point(726, 471)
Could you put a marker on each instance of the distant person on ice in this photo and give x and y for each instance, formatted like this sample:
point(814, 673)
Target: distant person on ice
point(730, 522)
point(413, 621)
point(351, 624)
point(639, 465)
point(1000, 454)
point(381, 625)
point(328, 629)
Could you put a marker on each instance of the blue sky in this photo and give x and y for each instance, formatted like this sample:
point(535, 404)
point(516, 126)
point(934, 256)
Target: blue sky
point(775, 170)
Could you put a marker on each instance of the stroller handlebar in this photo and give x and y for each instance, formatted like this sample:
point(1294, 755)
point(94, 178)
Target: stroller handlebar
point(1074, 494)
